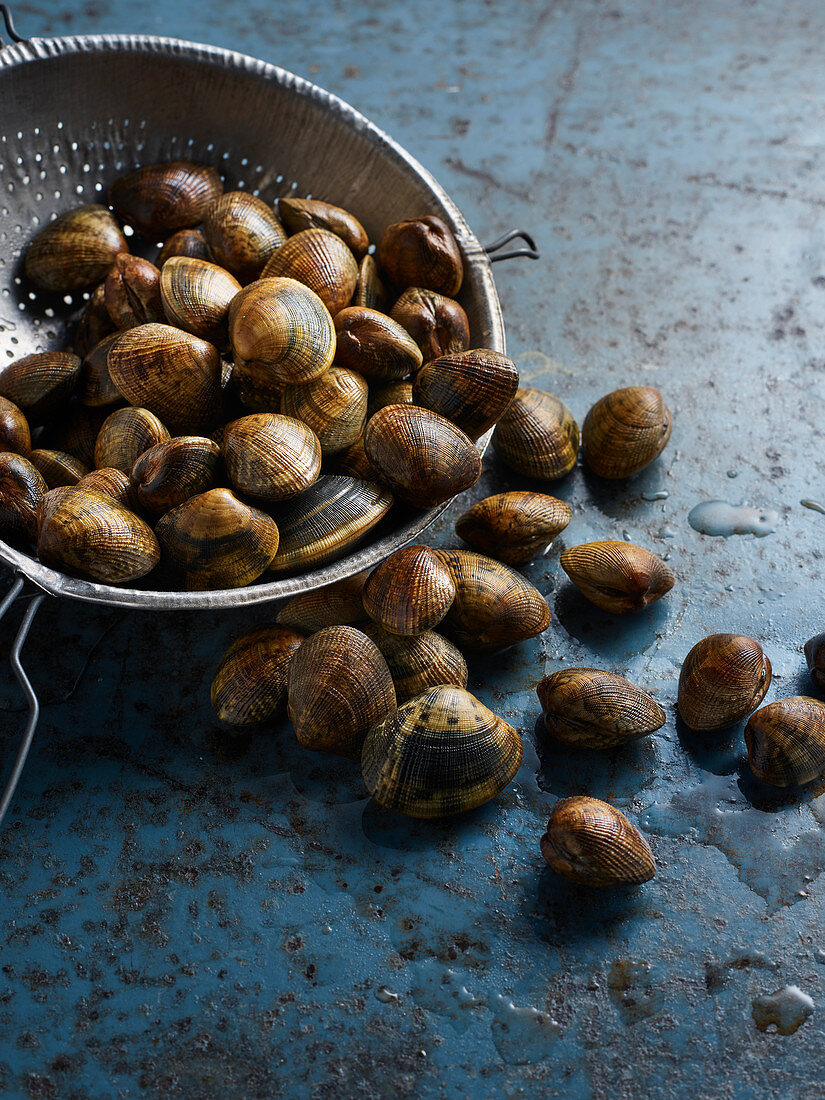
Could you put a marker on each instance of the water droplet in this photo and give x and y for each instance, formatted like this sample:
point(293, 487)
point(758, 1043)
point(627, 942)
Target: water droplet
point(717, 517)
point(814, 505)
point(786, 1010)
point(326, 930)
point(820, 957)
point(661, 494)
point(386, 996)
point(522, 1034)
point(733, 473)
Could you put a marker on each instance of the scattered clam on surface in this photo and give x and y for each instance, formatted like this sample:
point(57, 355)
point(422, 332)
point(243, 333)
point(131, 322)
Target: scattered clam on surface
point(593, 843)
point(593, 709)
point(617, 576)
point(723, 678)
point(786, 741)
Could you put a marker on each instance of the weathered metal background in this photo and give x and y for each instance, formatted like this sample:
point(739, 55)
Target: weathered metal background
point(188, 915)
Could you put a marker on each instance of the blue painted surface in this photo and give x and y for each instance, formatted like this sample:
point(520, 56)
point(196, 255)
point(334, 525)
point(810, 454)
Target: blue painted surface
point(189, 915)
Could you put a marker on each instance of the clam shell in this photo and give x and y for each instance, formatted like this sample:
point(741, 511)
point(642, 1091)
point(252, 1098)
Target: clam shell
point(334, 406)
point(75, 251)
point(171, 472)
point(250, 684)
point(617, 576)
point(326, 520)
point(186, 242)
point(242, 233)
point(124, 435)
point(196, 296)
point(494, 606)
point(441, 753)
point(109, 482)
point(437, 324)
point(723, 678)
point(213, 541)
point(21, 489)
point(410, 592)
point(370, 290)
point(97, 390)
point(40, 384)
point(513, 527)
point(255, 386)
point(14, 429)
point(471, 388)
point(339, 686)
point(815, 657)
point(132, 292)
point(419, 662)
point(537, 436)
point(388, 393)
point(424, 458)
point(271, 457)
point(300, 214)
point(95, 323)
point(625, 431)
point(374, 344)
point(88, 534)
point(354, 462)
point(592, 843)
point(284, 326)
point(57, 467)
point(422, 252)
point(337, 604)
point(319, 260)
point(592, 709)
point(159, 198)
point(786, 741)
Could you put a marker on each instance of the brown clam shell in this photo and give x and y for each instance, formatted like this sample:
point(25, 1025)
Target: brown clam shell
point(196, 295)
point(300, 214)
point(592, 709)
point(75, 251)
point(97, 390)
point(171, 472)
point(437, 324)
point(132, 292)
point(186, 242)
point(319, 260)
point(537, 436)
point(109, 482)
point(592, 843)
point(625, 431)
point(471, 388)
point(422, 252)
point(242, 232)
point(513, 527)
point(339, 686)
point(494, 606)
point(21, 489)
point(124, 435)
point(94, 324)
point(40, 384)
point(786, 741)
point(617, 576)
point(388, 393)
point(253, 384)
point(14, 429)
point(159, 198)
point(250, 684)
point(723, 678)
point(334, 406)
point(370, 290)
point(815, 657)
point(441, 753)
point(374, 345)
point(57, 467)
point(424, 458)
point(418, 662)
point(337, 604)
point(353, 461)
point(271, 457)
point(410, 592)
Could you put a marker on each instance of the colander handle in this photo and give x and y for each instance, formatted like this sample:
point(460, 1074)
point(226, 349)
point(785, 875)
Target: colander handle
point(5, 11)
point(495, 254)
point(25, 683)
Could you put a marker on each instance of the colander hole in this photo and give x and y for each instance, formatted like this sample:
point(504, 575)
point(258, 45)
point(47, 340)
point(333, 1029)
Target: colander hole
point(210, 147)
point(79, 188)
point(244, 161)
point(111, 122)
point(27, 180)
point(55, 148)
point(279, 179)
point(17, 280)
point(67, 298)
point(9, 353)
point(63, 169)
point(32, 296)
point(19, 160)
point(49, 311)
point(37, 130)
point(75, 146)
point(87, 167)
point(128, 231)
point(21, 306)
point(14, 340)
point(98, 186)
point(19, 135)
point(57, 196)
point(38, 157)
point(241, 184)
point(6, 292)
point(60, 125)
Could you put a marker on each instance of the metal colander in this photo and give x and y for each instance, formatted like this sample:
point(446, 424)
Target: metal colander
point(76, 112)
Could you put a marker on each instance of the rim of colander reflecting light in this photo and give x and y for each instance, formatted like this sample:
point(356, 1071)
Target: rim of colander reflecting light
point(59, 584)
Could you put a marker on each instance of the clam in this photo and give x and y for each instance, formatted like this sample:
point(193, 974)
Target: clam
point(815, 657)
point(339, 686)
point(388, 393)
point(422, 252)
point(171, 472)
point(255, 387)
point(470, 388)
point(213, 540)
point(494, 606)
point(97, 390)
point(196, 296)
point(186, 242)
point(160, 198)
point(513, 527)
point(592, 843)
point(109, 482)
point(424, 458)
point(250, 685)
point(334, 406)
point(370, 290)
point(617, 576)
point(537, 436)
point(300, 214)
point(353, 461)
point(40, 384)
point(418, 662)
point(337, 604)
point(21, 489)
point(625, 431)
point(326, 520)
point(94, 324)
point(132, 292)
point(242, 233)
point(441, 753)
point(90, 535)
point(410, 592)
point(124, 436)
point(271, 457)
point(77, 432)
point(175, 375)
point(14, 429)
point(75, 251)
point(319, 260)
point(786, 741)
point(374, 344)
point(723, 678)
point(285, 328)
point(592, 709)
point(437, 324)
point(57, 467)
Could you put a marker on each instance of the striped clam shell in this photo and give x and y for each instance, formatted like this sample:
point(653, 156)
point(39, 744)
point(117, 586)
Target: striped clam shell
point(593, 709)
point(723, 678)
point(299, 214)
point(470, 388)
point(123, 437)
point(592, 843)
point(40, 384)
point(437, 324)
point(418, 663)
point(513, 527)
point(334, 406)
point(109, 482)
point(14, 429)
point(625, 431)
point(320, 260)
point(410, 592)
point(169, 473)
point(537, 436)
point(250, 684)
point(786, 741)
point(21, 489)
point(617, 576)
point(271, 457)
point(242, 232)
point(337, 604)
point(57, 467)
point(370, 290)
point(159, 198)
point(373, 344)
point(196, 296)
